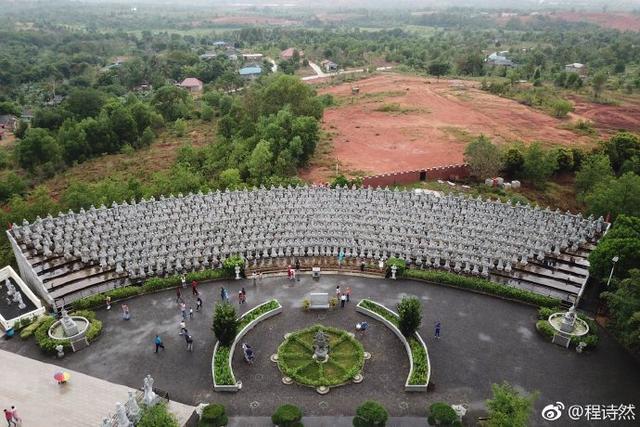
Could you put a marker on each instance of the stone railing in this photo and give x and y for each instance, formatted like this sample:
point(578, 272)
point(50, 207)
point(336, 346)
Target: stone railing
point(403, 339)
point(237, 385)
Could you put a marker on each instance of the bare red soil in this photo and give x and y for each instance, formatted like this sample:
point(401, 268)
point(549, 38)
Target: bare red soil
point(429, 124)
point(252, 19)
point(608, 119)
point(617, 21)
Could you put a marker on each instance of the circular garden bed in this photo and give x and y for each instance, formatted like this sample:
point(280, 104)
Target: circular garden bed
point(344, 364)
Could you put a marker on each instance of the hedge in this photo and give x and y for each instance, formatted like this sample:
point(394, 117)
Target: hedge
point(157, 416)
point(370, 414)
point(150, 285)
point(483, 285)
point(48, 345)
point(28, 330)
point(213, 415)
point(257, 312)
point(287, 416)
point(443, 414)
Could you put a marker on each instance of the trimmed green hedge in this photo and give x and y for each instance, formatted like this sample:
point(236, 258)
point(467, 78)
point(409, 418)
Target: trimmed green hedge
point(287, 416)
point(370, 414)
point(27, 331)
point(482, 285)
point(213, 415)
point(48, 345)
point(442, 414)
point(257, 312)
point(150, 285)
point(157, 416)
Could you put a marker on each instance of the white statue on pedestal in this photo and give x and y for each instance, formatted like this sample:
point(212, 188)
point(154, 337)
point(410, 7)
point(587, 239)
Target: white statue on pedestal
point(121, 416)
point(17, 297)
point(132, 407)
point(149, 395)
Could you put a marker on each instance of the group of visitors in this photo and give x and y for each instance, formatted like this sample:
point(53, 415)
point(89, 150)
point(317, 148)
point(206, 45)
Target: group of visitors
point(343, 297)
point(184, 312)
point(11, 415)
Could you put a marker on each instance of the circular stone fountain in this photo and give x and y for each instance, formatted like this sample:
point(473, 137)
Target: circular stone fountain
point(567, 325)
point(321, 357)
point(72, 328)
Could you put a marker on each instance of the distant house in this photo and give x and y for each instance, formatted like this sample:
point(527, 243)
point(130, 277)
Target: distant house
point(219, 43)
point(8, 122)
point(500, 58)
point(329, 66)
point(287, 54)
point(56, 100)
point(252, 56)
point(208, 55)
point(143, 87)
point(191, 84)
point(26, 116)
point(576, 67)
point(250, 72)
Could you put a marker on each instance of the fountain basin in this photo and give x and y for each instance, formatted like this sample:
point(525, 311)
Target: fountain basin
point(56, 331)
point(579, 329)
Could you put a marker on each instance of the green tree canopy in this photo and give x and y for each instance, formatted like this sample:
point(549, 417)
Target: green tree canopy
point(622, 240)
point(539, 165)
point(508, 408)
point(410, 313)
point(615, 197)
point(624, 306)
point(483, 158)
point(595, 169)
point(621, 147)
point(225, 324)
point(597, 83)
point(38, 147)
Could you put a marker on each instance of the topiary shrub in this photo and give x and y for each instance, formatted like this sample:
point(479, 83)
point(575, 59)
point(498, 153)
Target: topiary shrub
point(399, 263)
point(441, 414)
point(225, 324)
point(287, 416)
point(370, 414)
point(410, 312)
point(213, 415)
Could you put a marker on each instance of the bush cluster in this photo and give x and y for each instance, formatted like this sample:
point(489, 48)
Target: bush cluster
point(370, 414)
point(442, 414)
point(410, 312)
point(28, 331)
point(544, 327)
point(48, 345)
point(213, 415)
point(483, 285)
point(157, 416)
point(287, 416)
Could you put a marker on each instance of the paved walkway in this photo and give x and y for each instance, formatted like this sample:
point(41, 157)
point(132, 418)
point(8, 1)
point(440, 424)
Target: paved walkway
point(485, 340)
point(28, 385)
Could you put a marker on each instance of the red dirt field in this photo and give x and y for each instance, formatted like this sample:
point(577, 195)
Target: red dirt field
point(617, 21)
point(429, 124)
point(608, 119)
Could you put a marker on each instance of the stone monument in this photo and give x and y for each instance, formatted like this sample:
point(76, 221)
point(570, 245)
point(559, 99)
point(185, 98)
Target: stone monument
point(17, 297)
point(133, 410)
point(237, 270)
point(106, 422)
point(321, 347)
point(68, 324)
point(121, 416)
point(149, 395)
point(394, 269)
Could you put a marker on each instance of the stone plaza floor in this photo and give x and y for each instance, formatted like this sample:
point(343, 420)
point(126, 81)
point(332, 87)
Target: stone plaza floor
point(484, 340)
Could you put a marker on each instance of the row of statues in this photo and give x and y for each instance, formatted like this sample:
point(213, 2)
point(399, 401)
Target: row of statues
point(176, 234)
point(14, 295)
point(129, 413)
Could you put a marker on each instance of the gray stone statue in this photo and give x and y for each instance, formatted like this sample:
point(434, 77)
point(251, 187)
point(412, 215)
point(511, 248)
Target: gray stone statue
point(68, 324)
point(121, 416)
point(17, 297)
point(321, 346)
point(106, 422)
point(132, 407)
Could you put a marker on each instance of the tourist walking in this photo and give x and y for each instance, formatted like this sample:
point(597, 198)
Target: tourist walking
point(8, 415)
point(14, 412)
point(194, 288)
point(189, 340)
point(348, 293)
point(126, 315)
point(343, 299)
point(107, 300)
point(290, 273)
point(240, 296)
point(190, 312)
point(244, 295)
point(338, 293)
point(198, 304)
point(183, 327)
point(183, 279)
point(254, 276)
point(297, 265)
point(178, 295)
point(223, 294)
point(158, 342)
point(183, 310)
point(437, 333)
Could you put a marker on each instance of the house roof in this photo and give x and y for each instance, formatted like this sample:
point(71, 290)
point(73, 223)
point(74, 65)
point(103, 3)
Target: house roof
point(247, 71)
point(191, 82)
point(5, 119)
point(575, 65)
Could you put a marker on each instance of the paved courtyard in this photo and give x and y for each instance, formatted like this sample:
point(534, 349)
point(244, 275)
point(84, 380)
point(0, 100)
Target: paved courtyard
point(484, 340)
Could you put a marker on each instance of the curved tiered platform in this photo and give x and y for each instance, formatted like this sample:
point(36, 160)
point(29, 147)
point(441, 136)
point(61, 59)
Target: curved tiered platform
point(77, 254)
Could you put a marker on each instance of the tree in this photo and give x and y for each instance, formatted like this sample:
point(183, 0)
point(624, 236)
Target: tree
point(225, 324)
point(73, 140)
point(538, 165)
point(597, 83)
point(624, 307)
point(508, 408)
point(621, 147)
point(622, 240)
point(230, 178)
point(595, 169)
point(615, 197)
point(260, 162)
point(84, 103)
point(438, 69)
point(180, 127)
point(38, 147)
point(512, 161)
point(564, 160)
point(561, 108)
point(172, 102)
point(10, 185)
point(483, 158)
point(147, 137)
point(370, 414)
point(410, 313)
point(122, 125)
point(206, 113)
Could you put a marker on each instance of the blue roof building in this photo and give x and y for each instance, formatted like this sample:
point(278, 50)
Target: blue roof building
point(251, 71)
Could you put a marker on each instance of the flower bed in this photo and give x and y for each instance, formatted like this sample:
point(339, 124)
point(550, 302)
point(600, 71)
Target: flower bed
point(223, 377)
point(482, 285)
point(419, 366)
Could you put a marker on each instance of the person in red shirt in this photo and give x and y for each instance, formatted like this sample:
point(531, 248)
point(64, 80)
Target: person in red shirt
point(8, 415)
point(194, 287)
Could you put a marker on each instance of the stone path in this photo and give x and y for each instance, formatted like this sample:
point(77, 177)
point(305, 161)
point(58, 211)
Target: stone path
point(28, 385)
point(484, 340)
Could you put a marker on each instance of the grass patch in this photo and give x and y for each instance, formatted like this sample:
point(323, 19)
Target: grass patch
point(346, 357)
point(396, 108)
point(459, 134)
